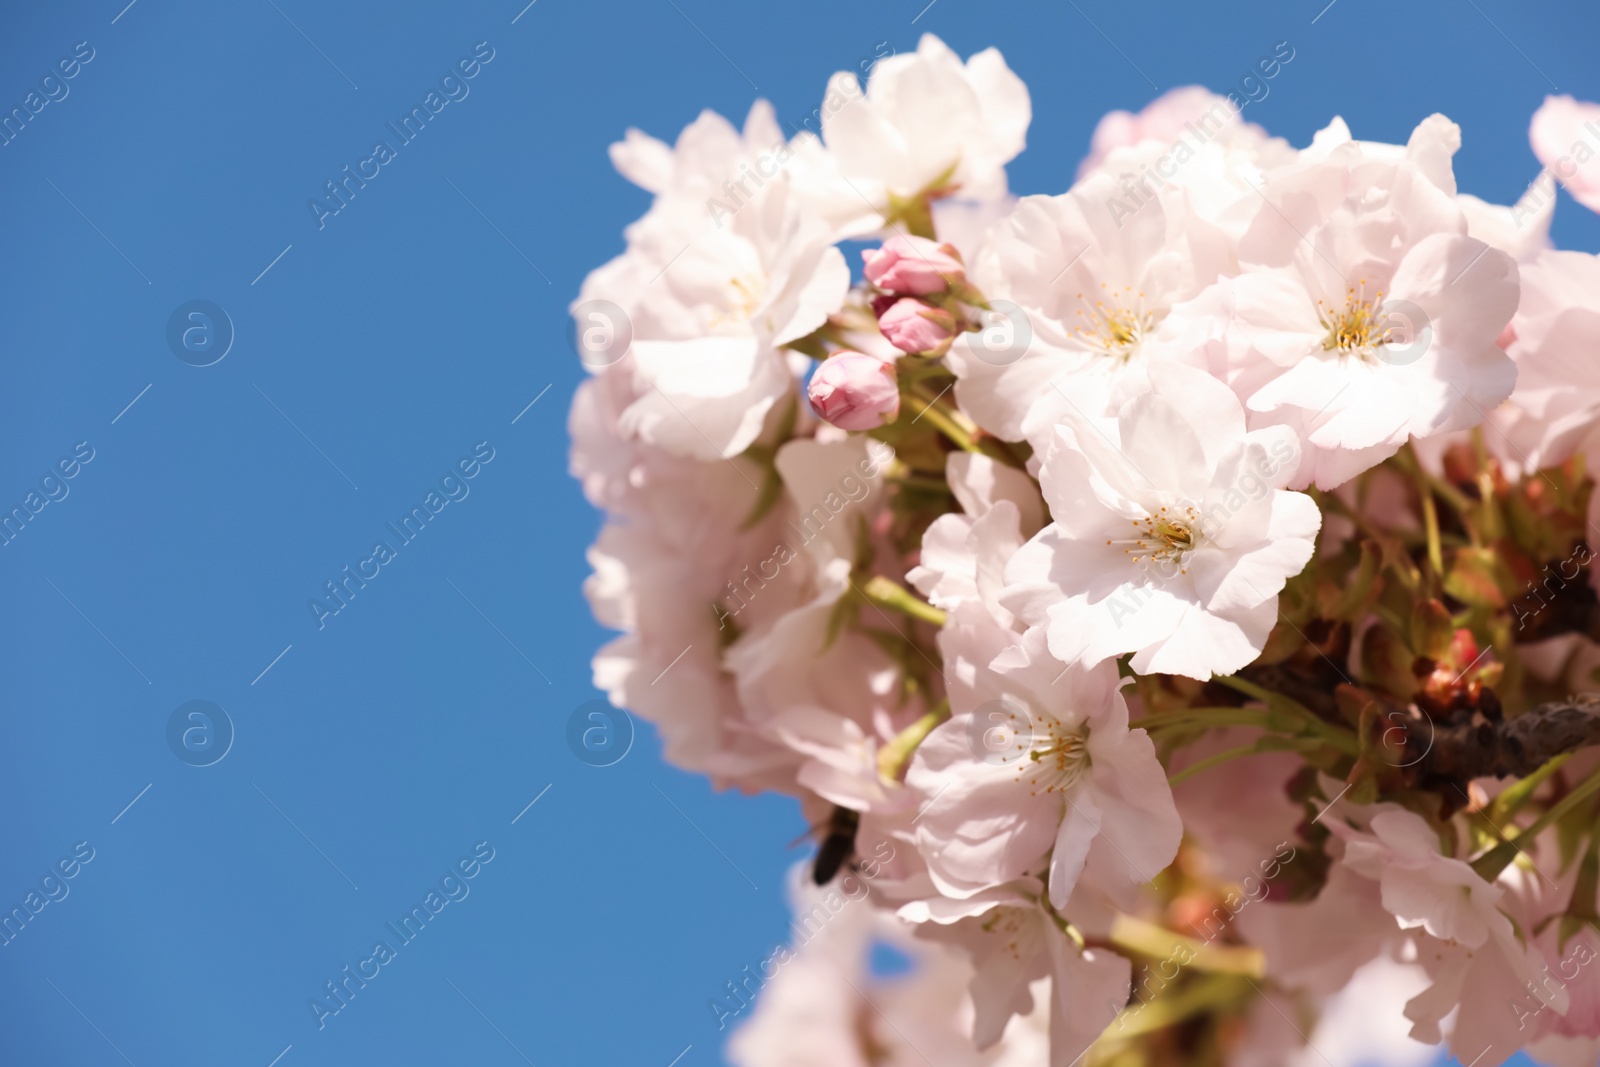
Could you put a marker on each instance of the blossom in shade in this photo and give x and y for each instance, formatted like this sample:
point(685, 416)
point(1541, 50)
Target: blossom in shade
point(1471, 951)
point(1015, 940)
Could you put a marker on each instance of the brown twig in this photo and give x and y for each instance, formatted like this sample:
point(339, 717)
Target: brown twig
point(1455, 752)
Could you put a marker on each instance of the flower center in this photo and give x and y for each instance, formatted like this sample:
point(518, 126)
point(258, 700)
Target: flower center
point(1057, 757)
point(1166, 538)
point(1114, 324)
point(741, 300)
point(1358, 328)
point(1010, 924)
point(747, 294)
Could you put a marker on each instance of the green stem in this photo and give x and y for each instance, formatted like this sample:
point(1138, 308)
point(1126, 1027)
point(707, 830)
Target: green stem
point(1331, 502)
point(960, 429)
point(945, 420)
point(916, 368)
point(810, 345)
point(1216, 994)
point(1211, 761)
point(1509, 802)
point(916, 214)
point(1430, 509)
point(1453, 496)
point(1491, 520)
point(1491, 863)
point(926, 483)
point(1430, 521)
point(1224, 716)
point(895, 757)
point(887, 594)
point(1157, 942)
point(1258, 692)
point(1281, 707)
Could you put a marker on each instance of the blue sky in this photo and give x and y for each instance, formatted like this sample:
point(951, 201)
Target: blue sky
point(376, 355)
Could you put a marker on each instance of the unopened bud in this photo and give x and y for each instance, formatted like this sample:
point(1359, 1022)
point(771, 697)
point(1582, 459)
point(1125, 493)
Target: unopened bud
point(914, 266)
point(912, 326)
point(855, 391)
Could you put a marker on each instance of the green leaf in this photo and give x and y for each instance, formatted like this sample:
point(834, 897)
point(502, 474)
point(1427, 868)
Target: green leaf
point(1431, 630)
point(1480, 577)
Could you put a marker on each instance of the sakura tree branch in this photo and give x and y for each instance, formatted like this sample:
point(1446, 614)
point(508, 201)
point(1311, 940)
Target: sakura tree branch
point(1434, 752)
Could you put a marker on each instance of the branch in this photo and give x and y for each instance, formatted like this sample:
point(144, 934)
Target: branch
point(1459, 752)
point(1311, 691)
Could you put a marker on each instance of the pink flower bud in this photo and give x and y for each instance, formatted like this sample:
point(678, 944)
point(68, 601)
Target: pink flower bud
point(855, 391)
point(914, 266)
point(912, 326)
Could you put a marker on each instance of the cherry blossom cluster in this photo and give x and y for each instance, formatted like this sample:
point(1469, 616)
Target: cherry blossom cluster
point(1176, 587)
